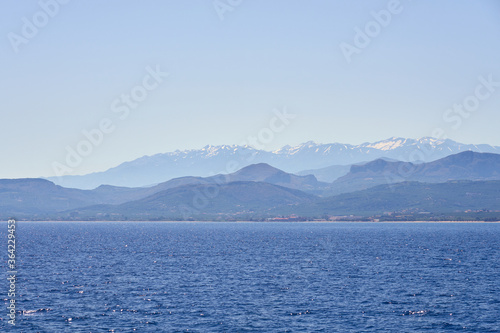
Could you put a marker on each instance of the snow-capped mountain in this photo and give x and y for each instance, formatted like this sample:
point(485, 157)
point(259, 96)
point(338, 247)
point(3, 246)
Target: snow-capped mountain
point(212, 160)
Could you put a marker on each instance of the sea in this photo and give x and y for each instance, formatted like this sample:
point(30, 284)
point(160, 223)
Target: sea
point(253, 277)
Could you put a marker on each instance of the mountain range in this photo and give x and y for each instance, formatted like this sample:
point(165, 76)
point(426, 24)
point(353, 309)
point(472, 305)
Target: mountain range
point(415, 199)
point(40, 197)
point(458, 183)
point(464, 166)
point(225, 159)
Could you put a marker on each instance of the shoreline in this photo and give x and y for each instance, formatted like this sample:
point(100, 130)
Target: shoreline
point(267, 222)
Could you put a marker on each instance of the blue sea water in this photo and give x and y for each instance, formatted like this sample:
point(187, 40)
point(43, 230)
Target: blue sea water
point(255, 277)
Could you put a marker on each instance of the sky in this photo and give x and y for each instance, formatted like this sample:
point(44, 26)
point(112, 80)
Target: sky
point(87, 85)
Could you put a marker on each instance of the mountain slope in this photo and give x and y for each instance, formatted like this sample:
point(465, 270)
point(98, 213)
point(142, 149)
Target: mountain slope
point(256, 173)
point(209, 160)
point(334, 172)
point(199, 200)
point(263, 172)
point(468, 165)
point(328, 174)
point(20, 197)
point(38, 197)
point(463, 166)
point(408, 197)
point(254, 200)
point(23, 197)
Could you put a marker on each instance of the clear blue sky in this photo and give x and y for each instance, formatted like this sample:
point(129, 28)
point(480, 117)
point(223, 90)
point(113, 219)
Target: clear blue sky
point(226, 76)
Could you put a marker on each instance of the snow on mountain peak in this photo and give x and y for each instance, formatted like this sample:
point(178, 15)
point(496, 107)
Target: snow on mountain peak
point(430, 140)
point(388, 144)
point(323, 149)
point(203, 162)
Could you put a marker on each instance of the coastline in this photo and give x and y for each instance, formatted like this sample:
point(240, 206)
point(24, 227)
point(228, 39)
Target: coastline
point(262, 222)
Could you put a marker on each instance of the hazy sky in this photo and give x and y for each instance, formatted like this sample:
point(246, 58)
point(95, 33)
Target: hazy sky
point(350, 71)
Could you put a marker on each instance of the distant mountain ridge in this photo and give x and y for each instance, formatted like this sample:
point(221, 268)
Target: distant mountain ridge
point(467, 165)
point(263, 172)
point(332, 173)
point(211, 160)
point(456, 184)
point(200, 201)
point(40, 197)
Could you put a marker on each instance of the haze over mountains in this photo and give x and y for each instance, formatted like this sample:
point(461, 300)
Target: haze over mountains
point(212, 160)
point(464, 166)
point(457, 184)
point(465, 199)
point(28, 197)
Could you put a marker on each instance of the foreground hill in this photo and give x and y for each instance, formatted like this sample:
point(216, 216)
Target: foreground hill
point(22, 197)
point(38, 197)
point(257, 200)
point(242, 199)
point(455, 197)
